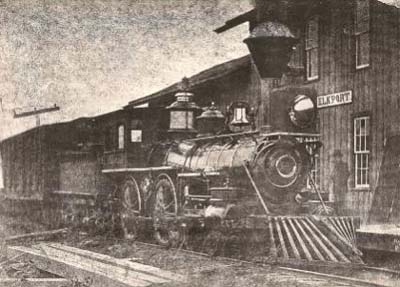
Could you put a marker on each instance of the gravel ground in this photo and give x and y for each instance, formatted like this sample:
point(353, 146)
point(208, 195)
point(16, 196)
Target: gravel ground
point(202, 271)
point(16, 267)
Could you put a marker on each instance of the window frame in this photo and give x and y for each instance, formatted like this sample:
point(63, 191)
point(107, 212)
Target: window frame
point(362, 27)
point(135, 126)
point(108, 138)
point(120, 137)
point(308, 49)
point(365, 138)
point(357, 50)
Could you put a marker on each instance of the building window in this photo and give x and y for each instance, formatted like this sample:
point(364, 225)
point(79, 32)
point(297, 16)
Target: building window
point(121, 136)
point(362, 27)
point(276, 82)
point(311, 47)
point(108, 137)
point(297, 57)
point(361, 152)
point(136, 131)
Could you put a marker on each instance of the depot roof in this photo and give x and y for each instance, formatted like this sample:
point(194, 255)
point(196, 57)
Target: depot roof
point(197, 80)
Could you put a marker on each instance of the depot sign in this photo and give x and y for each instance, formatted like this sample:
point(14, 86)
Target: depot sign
point(336, 99)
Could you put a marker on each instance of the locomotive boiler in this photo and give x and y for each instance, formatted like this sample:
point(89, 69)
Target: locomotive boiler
point(228, 186)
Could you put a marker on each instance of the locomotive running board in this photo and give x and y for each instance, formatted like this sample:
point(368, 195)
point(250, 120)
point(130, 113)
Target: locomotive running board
point(313, 238)
point(137, 169)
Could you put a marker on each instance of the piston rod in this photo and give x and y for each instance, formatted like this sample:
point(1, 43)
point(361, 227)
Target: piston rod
point(256, 189)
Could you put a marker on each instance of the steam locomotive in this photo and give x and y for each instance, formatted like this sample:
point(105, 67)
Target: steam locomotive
point(198, 178)
point(227, 187)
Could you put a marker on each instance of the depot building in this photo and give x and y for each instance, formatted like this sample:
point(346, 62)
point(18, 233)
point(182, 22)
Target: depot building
point(348, 52)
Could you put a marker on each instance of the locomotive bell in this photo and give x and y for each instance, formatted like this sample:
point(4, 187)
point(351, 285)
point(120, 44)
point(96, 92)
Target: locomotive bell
point(270, 45)
point(211, 121)
point(239, 111)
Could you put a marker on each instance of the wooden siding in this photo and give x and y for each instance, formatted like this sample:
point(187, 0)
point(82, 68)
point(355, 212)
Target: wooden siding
point(31, 162)
point(375, 90)
point(79, 172)
point(26, 158)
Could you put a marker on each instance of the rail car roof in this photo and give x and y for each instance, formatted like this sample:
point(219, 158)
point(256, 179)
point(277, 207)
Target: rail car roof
point(197, 80)
point(75, 122)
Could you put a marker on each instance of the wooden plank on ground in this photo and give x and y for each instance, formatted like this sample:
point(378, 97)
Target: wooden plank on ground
point(79, 268)
point(102, 266)
point(119, 262)
point(43, 234)
point(35, 282)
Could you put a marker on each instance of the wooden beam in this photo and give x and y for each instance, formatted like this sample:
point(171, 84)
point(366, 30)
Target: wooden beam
point(126, 264)
point(36, 112)
point(35, 282)
point(79, 268)
point(240, 19)
point(43, 234)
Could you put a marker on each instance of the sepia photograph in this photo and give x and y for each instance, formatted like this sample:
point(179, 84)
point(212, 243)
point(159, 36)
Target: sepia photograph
point(199, 143)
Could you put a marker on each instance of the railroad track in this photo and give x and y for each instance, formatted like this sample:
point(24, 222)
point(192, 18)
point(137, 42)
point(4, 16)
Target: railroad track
point(346, 275)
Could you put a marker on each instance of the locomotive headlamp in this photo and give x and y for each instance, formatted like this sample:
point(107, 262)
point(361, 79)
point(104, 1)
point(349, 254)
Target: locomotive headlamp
point(270, 45)
point(182, 113)
point(303, 111)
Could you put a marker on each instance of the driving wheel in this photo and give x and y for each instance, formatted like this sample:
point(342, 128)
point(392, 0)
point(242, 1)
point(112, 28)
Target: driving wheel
point(165, 210)
point(131, 207)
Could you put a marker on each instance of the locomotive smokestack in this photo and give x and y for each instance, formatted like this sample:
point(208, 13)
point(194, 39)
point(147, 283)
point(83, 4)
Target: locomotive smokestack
point(271, 41)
